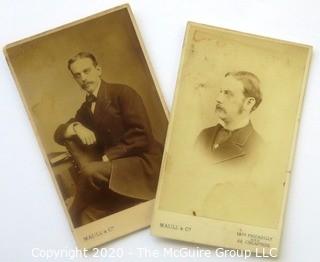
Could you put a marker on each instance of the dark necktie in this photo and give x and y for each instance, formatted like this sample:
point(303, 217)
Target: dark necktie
point(90, 99)
point(222, 136)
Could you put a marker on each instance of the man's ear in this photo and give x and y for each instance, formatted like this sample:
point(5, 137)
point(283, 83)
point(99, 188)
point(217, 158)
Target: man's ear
point(251, 101)
point(99, 69)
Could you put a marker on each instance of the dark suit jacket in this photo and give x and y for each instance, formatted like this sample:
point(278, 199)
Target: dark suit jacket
point(233, 193)
point(123, 133)
point(244, 143)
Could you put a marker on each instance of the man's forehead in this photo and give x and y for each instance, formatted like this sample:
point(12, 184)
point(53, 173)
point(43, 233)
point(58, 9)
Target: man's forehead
point(82, 63)
point(232, 84)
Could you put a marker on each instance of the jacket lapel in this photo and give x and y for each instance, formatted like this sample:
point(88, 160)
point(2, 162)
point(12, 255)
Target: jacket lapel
point(234, 147)
point(103, 102)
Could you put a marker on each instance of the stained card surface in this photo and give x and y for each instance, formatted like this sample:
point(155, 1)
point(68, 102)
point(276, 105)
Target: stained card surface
point(230, 144)
point(99, 118)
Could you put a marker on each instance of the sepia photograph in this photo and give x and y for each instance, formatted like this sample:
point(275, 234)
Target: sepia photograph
point(100, 120)
point(230, 144)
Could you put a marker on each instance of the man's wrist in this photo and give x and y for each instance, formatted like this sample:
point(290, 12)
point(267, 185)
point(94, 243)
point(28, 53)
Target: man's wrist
point(105, 158)
point(70, 131)
point(74, 125)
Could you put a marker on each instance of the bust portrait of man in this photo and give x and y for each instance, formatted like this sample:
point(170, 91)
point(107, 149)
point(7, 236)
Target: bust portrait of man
point(234, 135)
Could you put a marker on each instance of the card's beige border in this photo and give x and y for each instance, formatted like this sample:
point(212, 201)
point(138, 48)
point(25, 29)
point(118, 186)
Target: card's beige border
point(116, 225)
point(209, 231)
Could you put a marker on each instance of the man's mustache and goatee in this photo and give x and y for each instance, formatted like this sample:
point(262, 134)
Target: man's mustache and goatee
point(86, 84)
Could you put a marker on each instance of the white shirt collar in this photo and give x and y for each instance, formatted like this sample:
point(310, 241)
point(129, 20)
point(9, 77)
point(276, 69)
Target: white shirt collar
point(95, 92)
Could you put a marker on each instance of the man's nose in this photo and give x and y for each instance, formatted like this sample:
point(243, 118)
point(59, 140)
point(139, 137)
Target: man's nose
point(83, 77)
point(219, 98)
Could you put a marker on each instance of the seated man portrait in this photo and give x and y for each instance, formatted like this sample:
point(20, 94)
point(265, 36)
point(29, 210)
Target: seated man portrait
point(111, 143)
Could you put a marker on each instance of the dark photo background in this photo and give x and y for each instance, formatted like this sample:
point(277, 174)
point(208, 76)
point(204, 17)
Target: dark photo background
point(52, 95)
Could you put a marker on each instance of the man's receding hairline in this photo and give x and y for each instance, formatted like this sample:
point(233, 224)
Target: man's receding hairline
point(82, 55)
point(244, 74)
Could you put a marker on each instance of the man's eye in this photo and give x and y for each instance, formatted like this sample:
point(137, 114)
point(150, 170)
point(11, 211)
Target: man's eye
point(86, 71)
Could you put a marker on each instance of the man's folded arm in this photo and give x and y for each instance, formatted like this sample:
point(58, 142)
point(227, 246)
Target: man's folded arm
point(64, 131)
point(67, 130)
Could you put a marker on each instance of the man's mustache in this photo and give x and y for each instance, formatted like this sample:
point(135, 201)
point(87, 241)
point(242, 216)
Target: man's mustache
point(86, 83)
point(220, 107)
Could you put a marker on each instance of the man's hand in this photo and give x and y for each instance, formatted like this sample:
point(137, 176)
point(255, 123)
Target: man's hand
point(86, 136)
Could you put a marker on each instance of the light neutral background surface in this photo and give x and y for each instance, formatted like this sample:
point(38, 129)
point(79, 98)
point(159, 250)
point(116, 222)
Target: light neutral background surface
point(31, 214)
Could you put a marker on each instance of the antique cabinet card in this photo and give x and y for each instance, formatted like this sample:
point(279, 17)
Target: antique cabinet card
point(231, 138)
point(100, 120)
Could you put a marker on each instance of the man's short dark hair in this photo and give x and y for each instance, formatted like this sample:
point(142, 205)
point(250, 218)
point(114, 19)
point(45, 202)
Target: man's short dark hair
point(251, 85)
point(82, 55)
